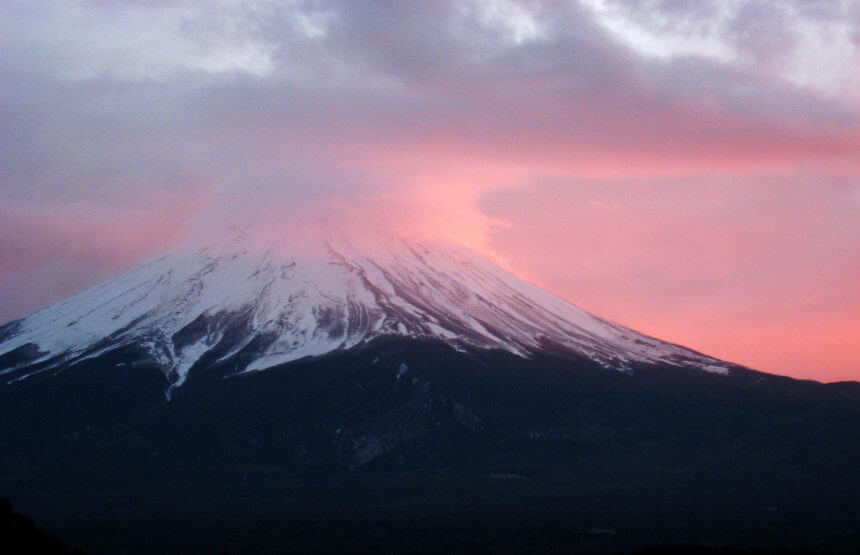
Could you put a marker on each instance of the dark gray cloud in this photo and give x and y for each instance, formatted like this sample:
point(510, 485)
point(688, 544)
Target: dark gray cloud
point(804, 42)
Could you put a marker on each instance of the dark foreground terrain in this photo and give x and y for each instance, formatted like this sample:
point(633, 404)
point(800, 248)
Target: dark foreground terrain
point(442, 512)
point(413, 446)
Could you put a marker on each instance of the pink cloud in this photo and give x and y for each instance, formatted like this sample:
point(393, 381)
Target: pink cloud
point(760, 270)
point(49, 252)
point(706, 202)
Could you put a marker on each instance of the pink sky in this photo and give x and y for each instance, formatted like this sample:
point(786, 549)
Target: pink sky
point(688, 169)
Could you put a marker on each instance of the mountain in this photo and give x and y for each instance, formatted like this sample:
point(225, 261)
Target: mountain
point(308, 391)
point(253, 309)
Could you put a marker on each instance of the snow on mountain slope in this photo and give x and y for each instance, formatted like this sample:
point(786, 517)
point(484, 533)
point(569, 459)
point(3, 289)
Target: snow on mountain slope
point(277, 305)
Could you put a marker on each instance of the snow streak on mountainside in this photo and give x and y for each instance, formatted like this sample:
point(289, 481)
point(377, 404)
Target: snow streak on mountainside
point(258, 308)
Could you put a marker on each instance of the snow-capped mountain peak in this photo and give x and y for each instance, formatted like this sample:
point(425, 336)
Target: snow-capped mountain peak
point(259, 307)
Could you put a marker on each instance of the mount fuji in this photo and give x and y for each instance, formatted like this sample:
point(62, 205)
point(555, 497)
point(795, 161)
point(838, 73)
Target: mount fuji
point(321, 387)
point(251, 309)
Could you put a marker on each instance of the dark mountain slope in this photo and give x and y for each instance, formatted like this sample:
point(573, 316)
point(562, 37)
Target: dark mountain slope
point(379, 420)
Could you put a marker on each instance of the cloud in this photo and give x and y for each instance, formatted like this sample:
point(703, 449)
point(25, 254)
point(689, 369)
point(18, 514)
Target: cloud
point(49, 252)
point(410, 114)
point(538, 84)
point(808, 44)
point(134, 41)
point(709, 261)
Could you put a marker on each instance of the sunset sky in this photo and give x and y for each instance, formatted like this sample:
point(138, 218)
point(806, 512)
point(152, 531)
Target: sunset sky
point(690, 169)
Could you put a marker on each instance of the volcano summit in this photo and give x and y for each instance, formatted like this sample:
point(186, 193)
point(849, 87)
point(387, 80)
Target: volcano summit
point(248, 309)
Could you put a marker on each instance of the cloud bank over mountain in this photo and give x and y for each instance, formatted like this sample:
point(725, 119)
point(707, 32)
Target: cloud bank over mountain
point(687, 168)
